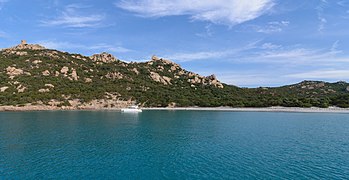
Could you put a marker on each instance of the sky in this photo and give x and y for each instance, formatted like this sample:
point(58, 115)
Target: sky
point(248, 43)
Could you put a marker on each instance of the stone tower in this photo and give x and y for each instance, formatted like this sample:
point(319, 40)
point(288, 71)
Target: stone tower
point(23, 42)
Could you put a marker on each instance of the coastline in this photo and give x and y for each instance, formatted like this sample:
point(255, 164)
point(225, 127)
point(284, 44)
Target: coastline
point(231, 109)
point(262, 109)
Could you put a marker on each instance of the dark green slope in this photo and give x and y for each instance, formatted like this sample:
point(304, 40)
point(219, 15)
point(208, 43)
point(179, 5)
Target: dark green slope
point(30, 75)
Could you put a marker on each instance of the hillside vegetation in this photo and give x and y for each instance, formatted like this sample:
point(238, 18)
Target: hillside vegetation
point(32, 74)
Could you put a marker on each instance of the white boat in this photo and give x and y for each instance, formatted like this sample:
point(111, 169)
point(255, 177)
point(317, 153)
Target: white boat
point(132, 109)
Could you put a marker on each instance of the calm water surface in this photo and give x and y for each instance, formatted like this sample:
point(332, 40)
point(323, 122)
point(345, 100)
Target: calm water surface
point(174, 145)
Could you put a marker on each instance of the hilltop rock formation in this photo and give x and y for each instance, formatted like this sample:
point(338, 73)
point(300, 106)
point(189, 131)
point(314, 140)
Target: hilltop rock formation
point(103, 57)
point(176, 69)
point(20, 50)
point(312, 85)
point(212, 80)
point(25, 46)
point(164, 61)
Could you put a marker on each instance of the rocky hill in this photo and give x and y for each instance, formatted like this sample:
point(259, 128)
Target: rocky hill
point(33, 75)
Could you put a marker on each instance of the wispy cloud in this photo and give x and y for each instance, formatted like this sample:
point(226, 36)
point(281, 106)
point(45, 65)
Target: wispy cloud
point(204, 55)
point(229, 12)
point(320, 15)
point(249, 79)
point(72, 17)
point(208, 32)
point(295, 55)
point(269, 53)
point(290, 64)
point(324, 74)
point(272, 27)
point(102, 47)
point(270, 46)
point(2, 2)
point(265, 78)
point(110, 48)
point(58, 45)
point(3, 34)
point(288, 54)
point(343, 3)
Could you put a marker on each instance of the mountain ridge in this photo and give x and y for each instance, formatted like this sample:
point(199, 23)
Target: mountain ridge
point(31, 74)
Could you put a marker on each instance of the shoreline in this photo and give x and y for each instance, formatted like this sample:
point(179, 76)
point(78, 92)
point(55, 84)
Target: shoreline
point(227, 109)
point(262, 109)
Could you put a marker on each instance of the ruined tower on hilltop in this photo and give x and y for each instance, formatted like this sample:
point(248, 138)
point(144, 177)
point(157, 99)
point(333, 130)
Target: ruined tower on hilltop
point(23, 42)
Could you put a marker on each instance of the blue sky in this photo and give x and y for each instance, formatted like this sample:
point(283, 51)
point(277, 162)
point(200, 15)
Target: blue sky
point(246, 43)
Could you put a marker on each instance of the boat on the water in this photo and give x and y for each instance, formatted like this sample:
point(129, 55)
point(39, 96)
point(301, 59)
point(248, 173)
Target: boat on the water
point(131, 109)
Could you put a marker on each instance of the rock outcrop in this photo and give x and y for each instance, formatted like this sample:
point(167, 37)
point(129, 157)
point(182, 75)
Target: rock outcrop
point(114, 75)
point(49, 85)
point(162, 79)
point(212, 80)
point(88, 80)
point(103, 57)
point(13, 72)
point(46, 73)
point(64, 70)
point(3, 89)
point(21, 88)
point(37, 62)
point(44, 90)
point(312, 85)
point(174, 66)
point(74, 75)
point(177, 71)
point(25, 46)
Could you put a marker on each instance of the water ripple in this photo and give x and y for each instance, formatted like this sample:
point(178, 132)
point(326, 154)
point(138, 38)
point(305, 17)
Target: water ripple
point(173, 145)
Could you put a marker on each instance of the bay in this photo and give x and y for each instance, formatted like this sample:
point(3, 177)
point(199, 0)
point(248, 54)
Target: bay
point(173, 145)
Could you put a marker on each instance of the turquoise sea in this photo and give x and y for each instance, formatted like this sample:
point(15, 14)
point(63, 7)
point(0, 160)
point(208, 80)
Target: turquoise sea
point(173, 145)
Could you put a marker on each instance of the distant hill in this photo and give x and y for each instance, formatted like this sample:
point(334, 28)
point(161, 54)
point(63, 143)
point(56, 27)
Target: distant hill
point(33, 75)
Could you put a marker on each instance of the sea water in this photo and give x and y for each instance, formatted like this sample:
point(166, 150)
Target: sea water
point(173, 145)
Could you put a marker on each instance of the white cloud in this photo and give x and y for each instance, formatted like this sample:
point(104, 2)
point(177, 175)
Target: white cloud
point(3, 34)
point(270, 46)
point(322, 74)
point(343, 3)
point(204, 55)
point(289, 53)
point(183, 57)
point(249, 79)
point(208, 32)
point(71, 17)
point(58, 45)
point(102, 47)
point(295, 55)
point(229, 12)
point(320, 15)
point(110, 48)
point(268, 28)
point(334, 48)
point(2, 2)
point(267, 78)
point(272, 27)
point(257, 52)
